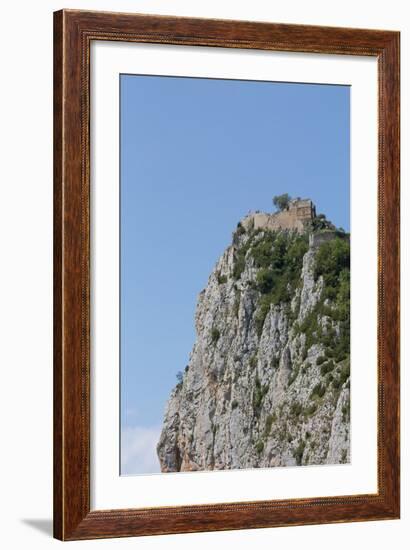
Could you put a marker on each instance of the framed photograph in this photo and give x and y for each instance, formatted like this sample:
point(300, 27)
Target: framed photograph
point(226, 275)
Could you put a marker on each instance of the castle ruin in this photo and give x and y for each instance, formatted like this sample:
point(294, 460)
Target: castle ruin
point(296, 216)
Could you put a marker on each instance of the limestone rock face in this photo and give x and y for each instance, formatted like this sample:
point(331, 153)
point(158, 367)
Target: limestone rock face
point(268, 381)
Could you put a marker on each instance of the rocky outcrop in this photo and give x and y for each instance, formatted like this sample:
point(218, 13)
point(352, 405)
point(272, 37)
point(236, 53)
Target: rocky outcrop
point(268, 381)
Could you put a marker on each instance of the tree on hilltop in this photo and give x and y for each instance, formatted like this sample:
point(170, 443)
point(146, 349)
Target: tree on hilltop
point(281, 201)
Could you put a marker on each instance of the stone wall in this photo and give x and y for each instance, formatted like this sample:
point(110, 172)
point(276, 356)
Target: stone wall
point(316, 239)
point(295, 217)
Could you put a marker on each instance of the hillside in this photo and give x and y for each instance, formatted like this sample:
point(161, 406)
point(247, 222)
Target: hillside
point(268, 381)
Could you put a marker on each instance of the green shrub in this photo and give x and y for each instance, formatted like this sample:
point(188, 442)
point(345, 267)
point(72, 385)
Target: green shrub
point(279, 256)
point(343, 375)
point(215, 334)
point(321, 359)
point(310, 411)
point(331, 258)
point(345, 372)
point(336, 383)
point(346, 412)
point(275, 362)
point(259, 393)
point(333, 264)
point(318, 391)
point(263, 252)
point(239, 266)
point(298, 452)
point(237, 302)
point(265, 280)
point(327, 367)
point(320, 223)
point(239, 259)
point(310, 327)
point(343, 295)
point(259, 446)
point(281, 201)
point(240, 230)
point(296, 409)
point(270, 419)
point(222, 279)
point(294, 256)
point(260, 315)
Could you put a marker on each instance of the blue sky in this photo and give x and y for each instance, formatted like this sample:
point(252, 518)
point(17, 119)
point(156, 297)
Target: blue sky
point(196, 156)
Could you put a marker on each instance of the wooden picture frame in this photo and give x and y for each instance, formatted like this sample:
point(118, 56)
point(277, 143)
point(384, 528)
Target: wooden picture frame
point(74, 32)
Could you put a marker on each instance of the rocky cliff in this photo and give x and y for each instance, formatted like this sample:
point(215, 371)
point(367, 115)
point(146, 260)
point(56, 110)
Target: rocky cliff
point(268, 381)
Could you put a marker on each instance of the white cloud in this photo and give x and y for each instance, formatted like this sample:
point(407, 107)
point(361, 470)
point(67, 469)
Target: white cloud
point(138, 450)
